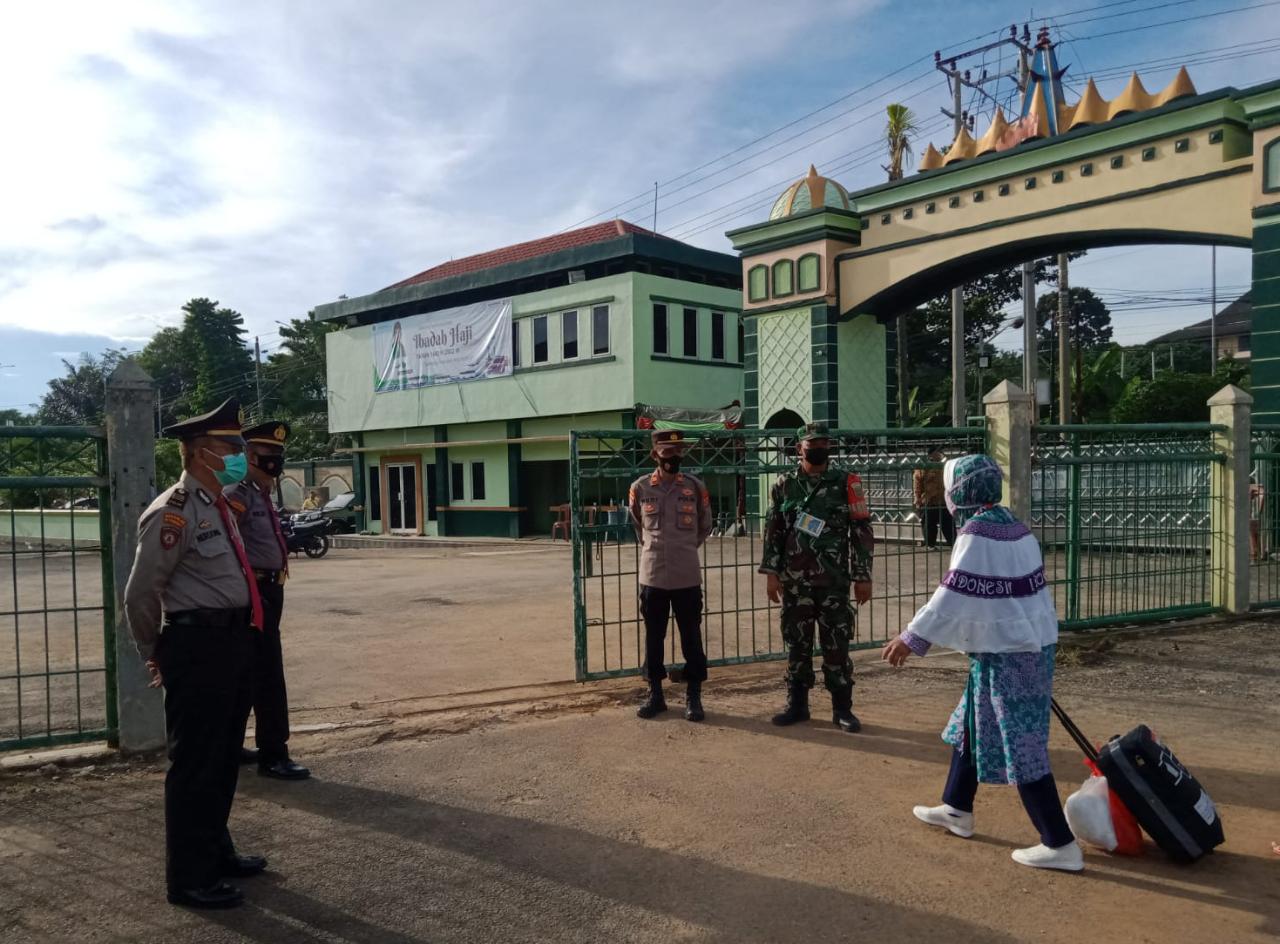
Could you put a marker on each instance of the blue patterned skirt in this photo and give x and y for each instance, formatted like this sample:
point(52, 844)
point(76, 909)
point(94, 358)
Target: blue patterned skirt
point(1003, 718)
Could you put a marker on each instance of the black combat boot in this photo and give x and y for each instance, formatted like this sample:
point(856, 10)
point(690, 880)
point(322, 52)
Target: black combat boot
point(655, 704)
point(693, 703)
point(842, 715)
point(797, 707)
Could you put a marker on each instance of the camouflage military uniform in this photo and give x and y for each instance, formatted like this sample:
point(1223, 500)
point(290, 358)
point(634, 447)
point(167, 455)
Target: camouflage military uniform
point(816, 571)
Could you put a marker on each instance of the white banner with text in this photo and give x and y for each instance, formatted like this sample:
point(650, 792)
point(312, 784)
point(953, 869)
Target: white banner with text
point(471, 342)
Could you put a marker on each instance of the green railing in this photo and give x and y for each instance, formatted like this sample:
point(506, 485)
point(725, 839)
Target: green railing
point(1264, 516)
point(57, 619)
point(740, 624)
point(1127, 517)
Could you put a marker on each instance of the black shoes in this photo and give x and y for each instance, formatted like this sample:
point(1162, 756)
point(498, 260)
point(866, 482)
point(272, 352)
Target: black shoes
point(248, 755)
point(655, 704)
point(693, 703)
point(217, 895)
point(842, 715)
point(797, 708)
point(283, 770)
point(244, 866)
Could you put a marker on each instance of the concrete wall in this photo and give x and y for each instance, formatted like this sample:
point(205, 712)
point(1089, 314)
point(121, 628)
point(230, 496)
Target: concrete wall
point(56, 526)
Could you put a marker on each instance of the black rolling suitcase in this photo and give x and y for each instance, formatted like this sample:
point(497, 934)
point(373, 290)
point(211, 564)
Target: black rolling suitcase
point(1162, 794)
point(1165, 798)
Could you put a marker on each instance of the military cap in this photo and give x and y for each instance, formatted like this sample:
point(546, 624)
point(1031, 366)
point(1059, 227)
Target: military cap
point(667, 437)
point(813, 431)
point(224, 420)
point(269, 433)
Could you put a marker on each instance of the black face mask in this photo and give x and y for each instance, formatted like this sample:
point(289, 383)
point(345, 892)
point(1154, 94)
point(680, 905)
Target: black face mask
point(272, 465)
point(816, 455)
point(670, 464)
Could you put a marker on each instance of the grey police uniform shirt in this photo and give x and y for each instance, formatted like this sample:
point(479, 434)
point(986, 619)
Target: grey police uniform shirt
point(185, 561)
point(673, 520)
point(253, 514)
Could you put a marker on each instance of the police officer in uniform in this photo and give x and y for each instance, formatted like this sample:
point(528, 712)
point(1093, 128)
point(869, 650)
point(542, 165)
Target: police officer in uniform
point(269, 556)
point(193, 608)
point(818, 540)
point(671, 511)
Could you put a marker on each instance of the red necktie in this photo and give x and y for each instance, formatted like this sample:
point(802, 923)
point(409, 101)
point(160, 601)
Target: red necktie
point(275, 523)
point(255, 601)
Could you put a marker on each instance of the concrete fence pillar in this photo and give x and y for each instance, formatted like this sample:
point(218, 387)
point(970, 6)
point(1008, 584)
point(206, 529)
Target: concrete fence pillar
point(1229, 499)
point(131, 441)
point(1009, 413)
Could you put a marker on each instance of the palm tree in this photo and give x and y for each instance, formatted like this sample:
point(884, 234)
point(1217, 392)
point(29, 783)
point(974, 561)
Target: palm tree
point(898, 131)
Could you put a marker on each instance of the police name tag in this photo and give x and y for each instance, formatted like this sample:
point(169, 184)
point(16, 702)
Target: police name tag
point(810, 525)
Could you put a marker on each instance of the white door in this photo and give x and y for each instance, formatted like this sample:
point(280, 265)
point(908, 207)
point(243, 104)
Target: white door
point(402, 499)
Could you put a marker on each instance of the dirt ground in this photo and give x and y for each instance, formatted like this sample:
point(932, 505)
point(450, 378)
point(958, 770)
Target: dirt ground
point(558, 816)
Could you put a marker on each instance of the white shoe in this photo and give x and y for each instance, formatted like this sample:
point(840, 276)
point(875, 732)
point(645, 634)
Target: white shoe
point(948, 817)
point(1068, 858)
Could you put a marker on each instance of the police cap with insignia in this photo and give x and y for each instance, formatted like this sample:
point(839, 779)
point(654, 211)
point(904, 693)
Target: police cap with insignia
point(225, 420)
point(813, 431)
point(668, 437)
point(268, 433)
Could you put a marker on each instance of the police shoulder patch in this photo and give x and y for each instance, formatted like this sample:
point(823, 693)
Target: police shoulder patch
point(174, 520)
point(238, 506)
point(169, 537)
point(178, 499)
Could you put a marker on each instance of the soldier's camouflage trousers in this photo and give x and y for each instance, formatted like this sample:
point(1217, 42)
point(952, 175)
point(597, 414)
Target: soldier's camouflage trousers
point(832, 611)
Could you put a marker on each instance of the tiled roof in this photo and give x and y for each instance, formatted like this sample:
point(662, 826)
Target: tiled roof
point(1235, 319)
point(574, 238)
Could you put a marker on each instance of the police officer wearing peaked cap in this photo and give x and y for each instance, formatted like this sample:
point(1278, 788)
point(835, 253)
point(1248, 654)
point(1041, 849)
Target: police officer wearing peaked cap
point(268, 552)
point(194, 611)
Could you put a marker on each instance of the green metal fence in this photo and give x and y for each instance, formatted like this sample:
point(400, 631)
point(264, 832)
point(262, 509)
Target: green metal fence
point(1127, 518)
point(740, 624)
point(1264, 516)
point(57, 619)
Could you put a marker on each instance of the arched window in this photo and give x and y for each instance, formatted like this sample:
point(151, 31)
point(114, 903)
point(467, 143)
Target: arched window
point(758, 283)
point(808, 276)
point(783, 278)
point(1271, 167)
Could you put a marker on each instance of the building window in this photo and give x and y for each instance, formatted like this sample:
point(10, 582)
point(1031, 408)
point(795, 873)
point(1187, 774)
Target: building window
point(477, 481)
point(600, 329)
point(1242, 342)
point(809, 275)
point(540, 339)
point(569, 334)
point(758, 283)
point(717, 335)
point(742, 341)
point(375, 494)
point(457, 479)
point(515, 344)
point(660, 329)
point(783, 277)
point(1271, 167)
point(691, 332)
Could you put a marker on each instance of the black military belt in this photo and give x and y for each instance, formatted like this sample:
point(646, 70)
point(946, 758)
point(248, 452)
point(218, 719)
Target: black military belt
point(269, 576)
point(231, 616)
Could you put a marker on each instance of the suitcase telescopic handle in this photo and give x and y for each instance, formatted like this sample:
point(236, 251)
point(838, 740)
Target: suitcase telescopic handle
point(1077, 735)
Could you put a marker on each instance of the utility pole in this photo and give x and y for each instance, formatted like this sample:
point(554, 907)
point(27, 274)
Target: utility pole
point(1030, 342)
point(1153, 363)
point(257, 374)
point(1213, 311)
point(1064, 343)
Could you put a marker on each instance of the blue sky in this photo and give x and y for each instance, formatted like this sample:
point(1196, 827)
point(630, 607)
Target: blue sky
point(276, 155)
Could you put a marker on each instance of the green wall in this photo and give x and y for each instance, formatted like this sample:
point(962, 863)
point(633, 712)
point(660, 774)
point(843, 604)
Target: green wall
point(862, 374)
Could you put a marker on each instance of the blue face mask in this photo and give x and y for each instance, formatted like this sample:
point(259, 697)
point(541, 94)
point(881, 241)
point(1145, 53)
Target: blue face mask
point(235, 468)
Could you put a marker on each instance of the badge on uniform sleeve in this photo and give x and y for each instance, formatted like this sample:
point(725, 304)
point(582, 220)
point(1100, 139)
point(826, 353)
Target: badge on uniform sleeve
point(857, 499)
point(174, 520)
point(169, 537)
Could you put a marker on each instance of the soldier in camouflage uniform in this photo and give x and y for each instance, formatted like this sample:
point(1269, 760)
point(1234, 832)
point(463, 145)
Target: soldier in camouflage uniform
point(818, 540)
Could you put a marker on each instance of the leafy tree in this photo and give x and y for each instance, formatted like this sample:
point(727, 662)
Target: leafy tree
point(170, 358)
point(168, 463)
point(214, 338)
point(79, 397)
point(899, 129)
point(1091, 318)
point(294, 387)
point(1174, 396)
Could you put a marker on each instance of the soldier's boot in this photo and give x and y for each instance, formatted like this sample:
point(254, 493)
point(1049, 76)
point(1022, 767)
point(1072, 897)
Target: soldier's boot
point(842, 715)
point(693, 703)
point(797, 709)
point(655, 704)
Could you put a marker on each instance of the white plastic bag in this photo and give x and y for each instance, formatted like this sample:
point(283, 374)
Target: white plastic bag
point(1089, 814)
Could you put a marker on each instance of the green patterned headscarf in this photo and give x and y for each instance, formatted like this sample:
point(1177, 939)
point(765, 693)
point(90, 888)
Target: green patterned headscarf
point(974, 484)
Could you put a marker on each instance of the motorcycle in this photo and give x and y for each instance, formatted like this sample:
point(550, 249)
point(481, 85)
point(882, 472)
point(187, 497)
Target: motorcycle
point(307, 532)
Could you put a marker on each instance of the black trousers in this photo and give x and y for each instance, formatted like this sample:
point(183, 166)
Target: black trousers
point(1039, 798)
point(208, 678)
point(933, 517)
point(656, 605)
point(270, 699)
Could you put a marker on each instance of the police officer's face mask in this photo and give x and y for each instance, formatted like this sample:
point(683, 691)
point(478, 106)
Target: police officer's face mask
point(271, 465)
point(234, 468)
point(670, 464)
point(817, 455)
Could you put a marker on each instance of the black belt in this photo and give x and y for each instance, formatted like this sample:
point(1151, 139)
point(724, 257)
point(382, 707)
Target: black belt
point(268, 576)
point(231, 616)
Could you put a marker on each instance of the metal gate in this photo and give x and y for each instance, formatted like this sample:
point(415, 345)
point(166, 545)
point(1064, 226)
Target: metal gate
point(1264, 516)
point(740, 624)
point(1127, 517)
point(57, 616)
